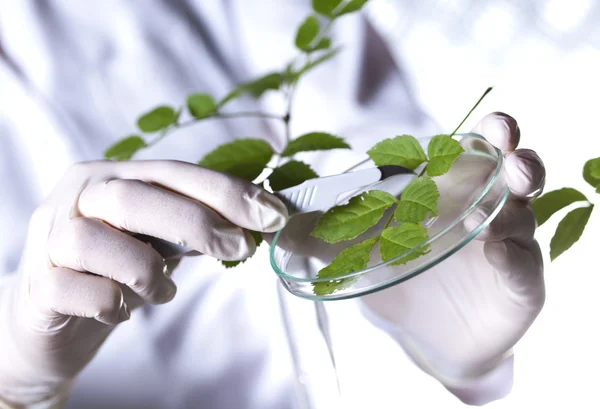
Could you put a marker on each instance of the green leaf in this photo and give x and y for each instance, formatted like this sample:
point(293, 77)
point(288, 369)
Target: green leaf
point(290, 174)
point(257, 236)
point(591, 172)
point(419, 198)
point(403, 150)
point(442, 151)
point(159, 118)
point(268, 82)
point(325, 7)
point(201, 105)
point(569, 230)
point(245, 158)
point(348, 221)
point(231, 264)
point(258, 239)
point(314, 141)
point(307, 32)
point(125, 148)
point(352, 259)
point(312, 64)
point(256, 87)
point(548, 204)
point(352, 6)
point(399, 239)
point(323, 43)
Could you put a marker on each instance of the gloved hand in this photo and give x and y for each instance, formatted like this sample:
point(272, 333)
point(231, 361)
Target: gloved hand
point(81, 272)
point(459, 320)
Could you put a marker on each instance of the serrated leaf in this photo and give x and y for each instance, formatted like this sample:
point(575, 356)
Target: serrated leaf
point(312, 64)
point(231, 264)
point(290, 174)
point(125, 148)
point(257, 236)
point(255, 87)
point(307, 32)
point(419, 198)
point(159, 118)
point(325, 7)
point(245, 158)
point(591, 172)
point(348, 221)
point(400, 239)
point(569, 230)
point(548, 204)
point(350, 260)
point(352, 6)
point(442, 152)
point(403, 150)
point(201, 105)
point(314, 141)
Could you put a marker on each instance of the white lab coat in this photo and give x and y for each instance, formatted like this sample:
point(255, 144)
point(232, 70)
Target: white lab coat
point(74, 75)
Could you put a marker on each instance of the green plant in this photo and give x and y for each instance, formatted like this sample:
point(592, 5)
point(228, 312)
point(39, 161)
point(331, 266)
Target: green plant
point(249, 158)
point(419, 200)
point(571, 227)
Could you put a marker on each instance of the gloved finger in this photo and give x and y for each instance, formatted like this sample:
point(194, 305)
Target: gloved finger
point(514, 221)
point(71, 293)
point(89, 245)
point(139, 207)
point(525, 174)
point(524, 170)
point(520, 267)
point(241, 202)
point(499, 129)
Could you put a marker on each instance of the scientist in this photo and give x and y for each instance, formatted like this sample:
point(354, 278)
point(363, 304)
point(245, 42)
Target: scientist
point(136, 334)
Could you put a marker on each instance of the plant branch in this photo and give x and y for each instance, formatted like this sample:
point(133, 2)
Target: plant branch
point(162, 134)
point(471, 111)
point(249, 115)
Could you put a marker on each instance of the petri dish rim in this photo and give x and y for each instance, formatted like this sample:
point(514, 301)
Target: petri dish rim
point(499, 164)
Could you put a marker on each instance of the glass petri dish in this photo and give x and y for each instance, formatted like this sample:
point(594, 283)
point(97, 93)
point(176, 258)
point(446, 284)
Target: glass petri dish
point(475, 180)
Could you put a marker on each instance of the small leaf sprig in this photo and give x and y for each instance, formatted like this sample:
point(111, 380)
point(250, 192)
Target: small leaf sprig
point(572, 226)
point(248, 158)
point(418, 201)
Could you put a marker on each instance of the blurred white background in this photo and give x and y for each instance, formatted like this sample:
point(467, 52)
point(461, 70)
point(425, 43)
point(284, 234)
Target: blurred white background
point(543, 58)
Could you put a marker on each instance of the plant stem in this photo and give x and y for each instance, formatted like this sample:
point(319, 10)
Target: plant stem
point(249, 115)
point(472, 109)
point(162, 134)
point(288, 114)
point(191, 122)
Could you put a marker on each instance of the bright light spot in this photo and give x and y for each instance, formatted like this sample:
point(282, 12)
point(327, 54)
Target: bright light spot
point(495, 27)
point(565, 15)
point(384, 14)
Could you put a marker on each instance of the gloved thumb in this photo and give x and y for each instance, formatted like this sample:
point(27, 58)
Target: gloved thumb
point(520, 269)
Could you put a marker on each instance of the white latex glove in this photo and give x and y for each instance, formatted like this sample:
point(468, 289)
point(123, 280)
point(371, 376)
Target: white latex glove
point(54, 314)
point(459, 320)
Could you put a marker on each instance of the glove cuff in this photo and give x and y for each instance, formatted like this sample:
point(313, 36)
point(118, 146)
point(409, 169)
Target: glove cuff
point(17, 390)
